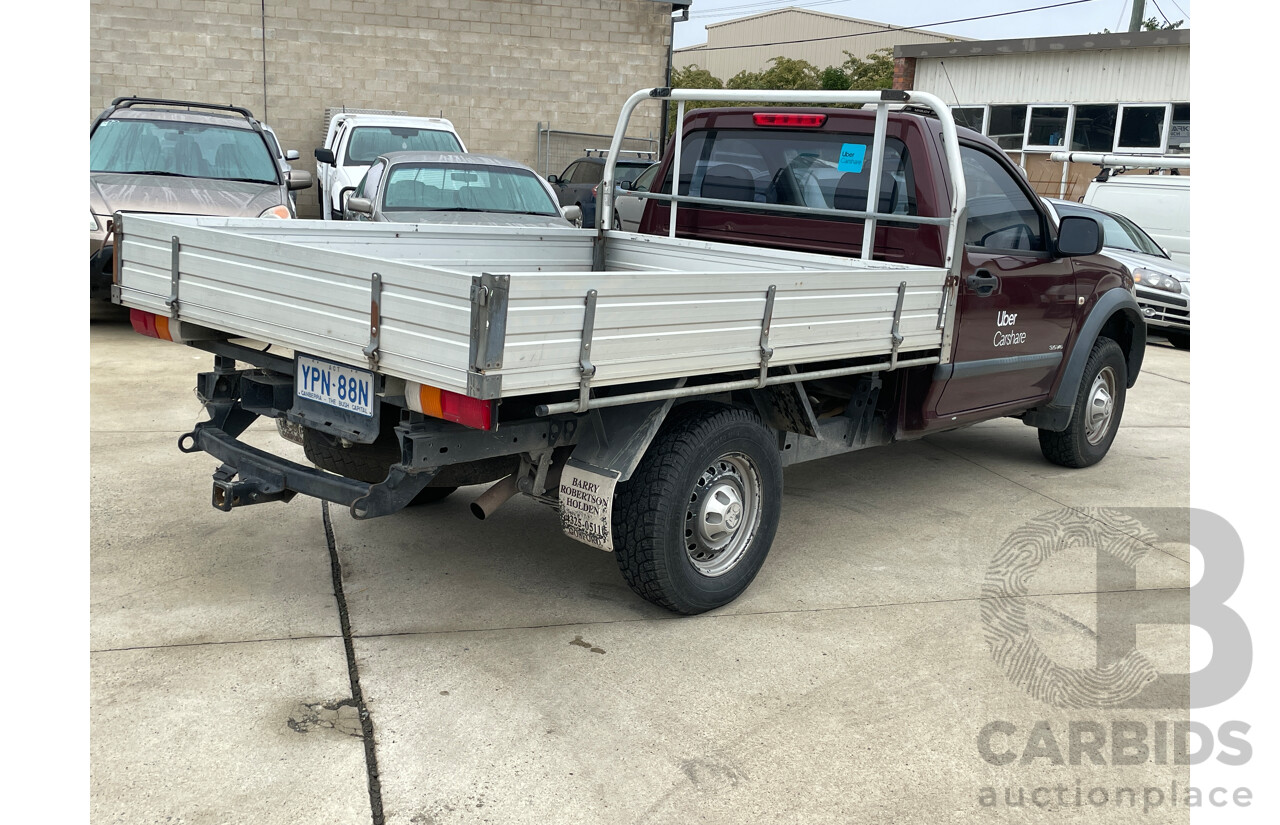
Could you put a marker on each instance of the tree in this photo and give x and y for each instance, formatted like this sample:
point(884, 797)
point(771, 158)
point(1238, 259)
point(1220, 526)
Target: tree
point(789, 73)
point(833, 79)
point(875, 71)
point(692, 77)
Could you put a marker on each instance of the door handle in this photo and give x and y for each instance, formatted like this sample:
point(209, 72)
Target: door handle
point(982, 282)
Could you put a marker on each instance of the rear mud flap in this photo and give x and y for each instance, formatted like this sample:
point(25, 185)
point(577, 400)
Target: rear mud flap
point(586, 503)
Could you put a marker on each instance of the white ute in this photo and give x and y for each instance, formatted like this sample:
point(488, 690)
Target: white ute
point(355, 140)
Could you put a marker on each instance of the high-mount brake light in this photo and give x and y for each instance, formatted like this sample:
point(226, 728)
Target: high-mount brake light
point(789, 119)
point(450, 406)
point(152, 326)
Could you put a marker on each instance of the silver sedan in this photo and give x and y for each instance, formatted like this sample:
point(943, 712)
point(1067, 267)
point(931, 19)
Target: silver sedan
point(454, 187)
point(1163, 286)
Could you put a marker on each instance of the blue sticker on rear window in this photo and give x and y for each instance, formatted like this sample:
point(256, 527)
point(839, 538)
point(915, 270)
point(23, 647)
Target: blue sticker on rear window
point(851, 157)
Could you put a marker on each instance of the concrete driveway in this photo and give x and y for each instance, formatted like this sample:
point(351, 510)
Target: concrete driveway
point(287, 664)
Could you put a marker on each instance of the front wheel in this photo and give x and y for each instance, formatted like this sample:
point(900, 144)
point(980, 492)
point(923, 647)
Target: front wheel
point(1180, 340)
point(694, 523)
point(1096, 415)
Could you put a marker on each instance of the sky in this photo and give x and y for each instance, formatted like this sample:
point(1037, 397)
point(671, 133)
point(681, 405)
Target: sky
point(1081, 18)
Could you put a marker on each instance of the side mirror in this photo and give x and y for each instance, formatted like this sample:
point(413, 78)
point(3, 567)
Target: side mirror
point(298, 179)
point(363, 206)
point(623, 185)
point(291, 154)
point(1078, 235)
point(572, 214)
point(553, 178)
point(325, 155)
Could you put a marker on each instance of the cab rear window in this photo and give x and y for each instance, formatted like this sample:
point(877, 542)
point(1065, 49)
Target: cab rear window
point(825, 170)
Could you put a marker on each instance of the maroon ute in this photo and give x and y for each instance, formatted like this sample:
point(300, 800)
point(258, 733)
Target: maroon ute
point(1049, 337)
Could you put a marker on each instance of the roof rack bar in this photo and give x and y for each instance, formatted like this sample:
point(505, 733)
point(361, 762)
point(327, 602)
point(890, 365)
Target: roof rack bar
point(126, 102)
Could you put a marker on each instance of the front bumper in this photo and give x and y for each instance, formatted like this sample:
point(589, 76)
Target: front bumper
point(1164, 310)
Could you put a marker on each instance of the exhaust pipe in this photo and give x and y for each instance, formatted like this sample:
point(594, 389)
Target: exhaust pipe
point(493, 498)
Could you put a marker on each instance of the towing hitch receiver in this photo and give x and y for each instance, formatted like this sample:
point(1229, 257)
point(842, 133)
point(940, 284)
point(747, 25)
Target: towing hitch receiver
point(229, 493)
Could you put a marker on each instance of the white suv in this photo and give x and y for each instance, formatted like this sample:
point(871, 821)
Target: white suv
point(354, 141)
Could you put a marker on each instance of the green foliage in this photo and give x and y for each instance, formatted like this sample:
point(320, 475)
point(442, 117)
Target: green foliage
point(875, 71)
point(833, 79)
point(788, 73)
point(692, 77)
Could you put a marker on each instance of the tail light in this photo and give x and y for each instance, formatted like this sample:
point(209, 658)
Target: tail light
point(789, 119)
point(449, 406)
point(152, 326)
point(170, 329)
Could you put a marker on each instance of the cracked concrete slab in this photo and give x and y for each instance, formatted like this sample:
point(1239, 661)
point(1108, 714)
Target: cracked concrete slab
point(201, 735)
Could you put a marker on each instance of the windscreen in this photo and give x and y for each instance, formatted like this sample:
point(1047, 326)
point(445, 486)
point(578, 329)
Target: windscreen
point(367, 142)
point(1117, 232)
point(629, 171)
point(166, 147)
point(470, 187)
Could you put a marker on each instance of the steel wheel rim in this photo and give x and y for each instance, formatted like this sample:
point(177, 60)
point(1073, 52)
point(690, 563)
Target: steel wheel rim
point(1100, 407)
point(723, 514)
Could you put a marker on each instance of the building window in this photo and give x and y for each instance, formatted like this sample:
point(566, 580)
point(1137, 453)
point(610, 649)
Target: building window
point(1180, 130)
point(1006, 125)
point(971, 117)
point(1094, 129)
point(1048, 128)
point(1143, 128)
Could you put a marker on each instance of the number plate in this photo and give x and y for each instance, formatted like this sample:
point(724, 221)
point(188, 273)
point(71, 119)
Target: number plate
point(336, 385)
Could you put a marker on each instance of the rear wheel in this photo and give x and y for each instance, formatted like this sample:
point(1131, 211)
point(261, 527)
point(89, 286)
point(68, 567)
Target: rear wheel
point(694, 523)
point(1097, 412)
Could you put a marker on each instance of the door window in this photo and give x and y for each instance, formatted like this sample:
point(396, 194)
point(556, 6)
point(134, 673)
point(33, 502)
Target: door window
point(588, 173)
point(1001, 215)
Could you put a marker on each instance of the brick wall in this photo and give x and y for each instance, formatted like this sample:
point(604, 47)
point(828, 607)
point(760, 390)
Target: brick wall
point(904, 73)
point(496, 69)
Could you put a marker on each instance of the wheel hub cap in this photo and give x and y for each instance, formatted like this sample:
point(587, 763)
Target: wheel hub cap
point(1101, 406)
point(722, 515)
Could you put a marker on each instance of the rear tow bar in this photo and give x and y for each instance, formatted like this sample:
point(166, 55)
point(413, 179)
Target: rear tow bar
point(265, 477)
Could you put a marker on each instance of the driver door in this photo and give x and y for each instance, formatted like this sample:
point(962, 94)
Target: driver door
point(1017, 301)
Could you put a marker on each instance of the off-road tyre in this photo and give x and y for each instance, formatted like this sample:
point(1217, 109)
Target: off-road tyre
point(363, 462)
point(1099, 406)
point(704, 457)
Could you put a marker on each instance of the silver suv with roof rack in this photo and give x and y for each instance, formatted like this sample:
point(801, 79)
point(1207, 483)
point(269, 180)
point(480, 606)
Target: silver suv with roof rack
point(153, 155)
